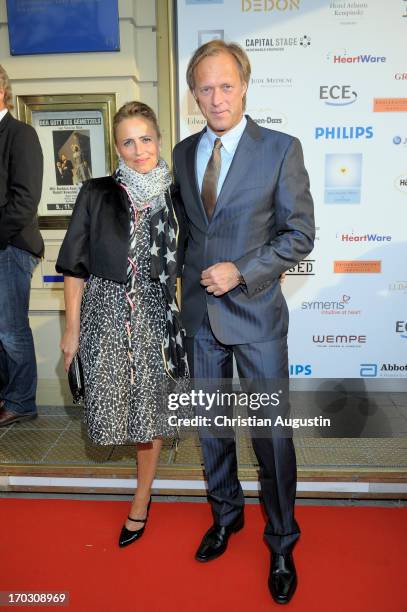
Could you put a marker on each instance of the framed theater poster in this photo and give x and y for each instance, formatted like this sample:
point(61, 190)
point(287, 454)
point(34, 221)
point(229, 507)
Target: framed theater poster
point(75, 132)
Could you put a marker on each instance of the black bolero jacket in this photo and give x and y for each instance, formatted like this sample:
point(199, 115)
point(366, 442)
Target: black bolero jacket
point(97, 239)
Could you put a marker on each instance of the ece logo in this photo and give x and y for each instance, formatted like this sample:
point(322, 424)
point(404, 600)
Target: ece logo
point(337, 95)
point(401, 328)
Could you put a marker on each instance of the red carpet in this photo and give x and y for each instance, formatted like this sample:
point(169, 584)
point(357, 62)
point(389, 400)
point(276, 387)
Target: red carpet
point(348, 559)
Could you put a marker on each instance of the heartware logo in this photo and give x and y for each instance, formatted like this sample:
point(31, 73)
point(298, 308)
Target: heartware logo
point(267, 6)
point(337, 95)
point(364, 237)
point(340, 340)
point(363, 58)
point(306, 267)
point(344, 133)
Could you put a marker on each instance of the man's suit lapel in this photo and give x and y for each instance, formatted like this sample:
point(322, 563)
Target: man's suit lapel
point(191, 153)
point(248, 144)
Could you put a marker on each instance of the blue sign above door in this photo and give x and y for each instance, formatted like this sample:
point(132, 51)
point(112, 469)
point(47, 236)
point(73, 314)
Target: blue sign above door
point(62, 26)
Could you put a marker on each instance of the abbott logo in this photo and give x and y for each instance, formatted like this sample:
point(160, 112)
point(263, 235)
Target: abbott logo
point(368, 370)
point(266, 6)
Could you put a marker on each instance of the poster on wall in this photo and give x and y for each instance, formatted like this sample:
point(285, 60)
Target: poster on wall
point(74, 150)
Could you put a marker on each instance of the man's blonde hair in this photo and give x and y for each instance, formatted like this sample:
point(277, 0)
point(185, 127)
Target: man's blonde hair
point(215, 47)
point(6, 88)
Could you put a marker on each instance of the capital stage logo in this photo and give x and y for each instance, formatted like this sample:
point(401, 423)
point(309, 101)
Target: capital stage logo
point(268, 6)
point(306, 267)
point(278, 43)
point(343, 178)
point(337, 95)
point(339, 340)
point(329, 306)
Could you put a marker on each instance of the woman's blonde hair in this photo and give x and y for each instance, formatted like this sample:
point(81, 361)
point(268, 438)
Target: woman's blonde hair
point(135, 109)
point(6, 88)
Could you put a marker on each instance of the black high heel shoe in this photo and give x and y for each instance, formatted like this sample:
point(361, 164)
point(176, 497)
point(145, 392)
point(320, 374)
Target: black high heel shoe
point(127, 536)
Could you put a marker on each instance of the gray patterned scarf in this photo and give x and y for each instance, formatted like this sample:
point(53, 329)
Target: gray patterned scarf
point(145, 188)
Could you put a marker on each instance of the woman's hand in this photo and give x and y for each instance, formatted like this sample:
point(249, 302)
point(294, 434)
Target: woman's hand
point(69, 346)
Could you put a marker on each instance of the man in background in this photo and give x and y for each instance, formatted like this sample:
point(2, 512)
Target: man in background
point(21, 246)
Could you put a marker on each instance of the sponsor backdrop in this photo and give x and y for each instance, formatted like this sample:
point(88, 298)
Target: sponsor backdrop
point(335, 75)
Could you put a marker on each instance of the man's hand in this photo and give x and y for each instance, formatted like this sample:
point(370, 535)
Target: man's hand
point(220, 278)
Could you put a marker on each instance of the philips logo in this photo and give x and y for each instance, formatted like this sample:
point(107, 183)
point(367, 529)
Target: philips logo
point(300, 370)
point(344, 133)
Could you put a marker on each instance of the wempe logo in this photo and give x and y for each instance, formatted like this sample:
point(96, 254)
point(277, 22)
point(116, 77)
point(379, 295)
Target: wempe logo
point(331, 307)
point(303, 268)
point(363, 58)
point(337, 95)
point(340, 340)
point(364, 237)
point(344, 133)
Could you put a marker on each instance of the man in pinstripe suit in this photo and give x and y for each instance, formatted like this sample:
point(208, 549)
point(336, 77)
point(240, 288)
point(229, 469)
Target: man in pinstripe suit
point(250, 216)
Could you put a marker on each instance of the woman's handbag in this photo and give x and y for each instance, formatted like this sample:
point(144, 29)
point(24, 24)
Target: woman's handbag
point(76, 380)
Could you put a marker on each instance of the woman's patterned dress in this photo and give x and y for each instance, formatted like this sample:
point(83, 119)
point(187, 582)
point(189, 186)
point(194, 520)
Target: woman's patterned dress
point(122, 331)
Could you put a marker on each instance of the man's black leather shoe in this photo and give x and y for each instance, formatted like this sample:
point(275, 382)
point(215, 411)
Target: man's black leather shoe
point(215, 540)
point(282, 578)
